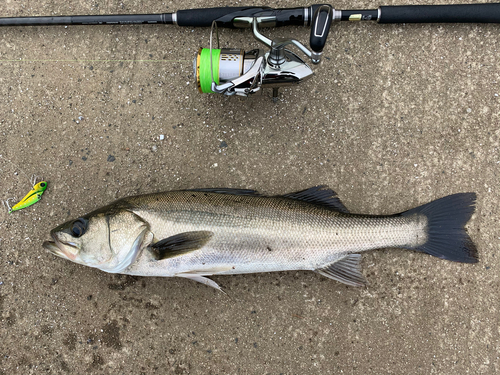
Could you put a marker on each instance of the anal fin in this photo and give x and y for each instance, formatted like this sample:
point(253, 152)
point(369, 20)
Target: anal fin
point(346, 270)
point(201, 279)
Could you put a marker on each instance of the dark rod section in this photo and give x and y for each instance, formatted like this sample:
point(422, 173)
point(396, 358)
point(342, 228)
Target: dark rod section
point(466, 13)
point(226, 15)
point(359, 15)
point(204, 17)
point(124, 19)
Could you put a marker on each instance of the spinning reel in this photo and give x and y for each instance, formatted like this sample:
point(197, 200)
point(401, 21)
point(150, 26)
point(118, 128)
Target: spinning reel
point(236, 72)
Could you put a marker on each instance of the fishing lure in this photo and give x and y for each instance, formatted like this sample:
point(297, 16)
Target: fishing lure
point(34, 195)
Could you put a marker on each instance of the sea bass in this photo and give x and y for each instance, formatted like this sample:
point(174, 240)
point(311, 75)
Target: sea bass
point(202, 232)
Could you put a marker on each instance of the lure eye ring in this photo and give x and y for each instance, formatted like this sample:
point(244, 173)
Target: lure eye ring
point(79, 227)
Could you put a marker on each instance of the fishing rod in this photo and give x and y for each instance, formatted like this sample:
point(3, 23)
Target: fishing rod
point(236, 72)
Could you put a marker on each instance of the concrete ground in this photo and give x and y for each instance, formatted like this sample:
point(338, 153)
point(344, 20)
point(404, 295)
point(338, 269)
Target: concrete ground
point(395, 116)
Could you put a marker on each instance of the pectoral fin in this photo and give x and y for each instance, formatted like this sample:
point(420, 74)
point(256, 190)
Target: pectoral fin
point(181, 243)
point(346, 270)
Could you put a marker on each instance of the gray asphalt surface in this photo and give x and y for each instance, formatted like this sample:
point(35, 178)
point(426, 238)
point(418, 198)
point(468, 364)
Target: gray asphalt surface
point(395, 116)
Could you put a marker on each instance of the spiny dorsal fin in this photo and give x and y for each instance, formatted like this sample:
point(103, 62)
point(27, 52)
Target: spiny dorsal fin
point(229, 191)
point(346, 270)
point(181, 243)
point(321, 195)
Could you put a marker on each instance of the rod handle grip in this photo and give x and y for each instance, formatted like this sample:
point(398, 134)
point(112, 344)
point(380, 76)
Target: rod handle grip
point(205, 16)
point(320, 27)
point(459, 13)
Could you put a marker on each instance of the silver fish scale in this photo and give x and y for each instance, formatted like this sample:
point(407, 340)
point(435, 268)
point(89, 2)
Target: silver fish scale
point(262, 234)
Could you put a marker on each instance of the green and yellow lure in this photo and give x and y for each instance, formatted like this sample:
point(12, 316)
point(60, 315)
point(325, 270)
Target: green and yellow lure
point(32, 197)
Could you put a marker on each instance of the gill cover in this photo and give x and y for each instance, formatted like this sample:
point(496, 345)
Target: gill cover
point(128, 235)
point(109, 241)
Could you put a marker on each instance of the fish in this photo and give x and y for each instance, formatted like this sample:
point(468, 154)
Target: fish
point(203, 232)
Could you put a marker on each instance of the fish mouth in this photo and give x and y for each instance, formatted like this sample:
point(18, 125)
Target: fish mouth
point(59, 249)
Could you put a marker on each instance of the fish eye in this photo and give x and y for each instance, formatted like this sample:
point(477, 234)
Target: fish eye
point(79, 227)
point(42, 184)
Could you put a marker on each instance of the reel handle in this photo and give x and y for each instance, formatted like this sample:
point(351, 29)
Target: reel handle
point(320, 27)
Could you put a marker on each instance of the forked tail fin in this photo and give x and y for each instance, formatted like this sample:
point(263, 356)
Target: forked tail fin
point(446, 218)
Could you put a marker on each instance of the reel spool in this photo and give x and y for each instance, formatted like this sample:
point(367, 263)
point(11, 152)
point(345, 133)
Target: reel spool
point(236, 72)
point(227, 64)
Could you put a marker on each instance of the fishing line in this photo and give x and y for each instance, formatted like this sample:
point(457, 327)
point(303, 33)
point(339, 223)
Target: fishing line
point(17, 167)
point(76, 61)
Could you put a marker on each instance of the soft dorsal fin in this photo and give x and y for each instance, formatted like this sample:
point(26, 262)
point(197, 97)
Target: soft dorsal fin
point(347, 271)
point(228, 191)
point(181, 243)
point(321, 195)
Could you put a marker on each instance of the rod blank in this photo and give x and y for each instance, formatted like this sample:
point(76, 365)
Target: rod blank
point(124, 19)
